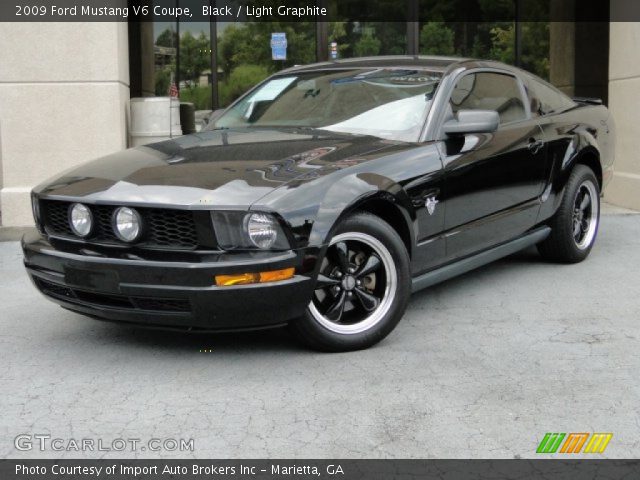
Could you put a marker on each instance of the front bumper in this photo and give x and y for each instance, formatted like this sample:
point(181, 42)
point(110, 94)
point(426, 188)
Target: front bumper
point(170, 294)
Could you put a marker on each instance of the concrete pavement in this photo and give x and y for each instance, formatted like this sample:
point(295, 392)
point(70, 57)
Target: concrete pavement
point(481, 366)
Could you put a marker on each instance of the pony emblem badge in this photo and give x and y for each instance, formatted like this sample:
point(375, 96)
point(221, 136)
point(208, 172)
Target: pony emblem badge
point(431, 203)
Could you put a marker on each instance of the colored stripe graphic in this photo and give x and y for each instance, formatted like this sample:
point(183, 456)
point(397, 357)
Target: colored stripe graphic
point(598, 443)
point(550, 443)
point(574, 442)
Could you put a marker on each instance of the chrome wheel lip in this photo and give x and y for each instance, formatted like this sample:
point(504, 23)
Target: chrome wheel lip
point(376, 316)
point(593, 218)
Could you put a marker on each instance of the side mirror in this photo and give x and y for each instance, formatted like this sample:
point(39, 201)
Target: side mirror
point(473, 121)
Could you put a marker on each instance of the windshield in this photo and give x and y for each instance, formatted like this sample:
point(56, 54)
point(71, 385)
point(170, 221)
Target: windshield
point(385, 103)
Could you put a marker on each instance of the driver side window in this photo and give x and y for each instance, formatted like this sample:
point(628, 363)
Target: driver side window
point(489, 91)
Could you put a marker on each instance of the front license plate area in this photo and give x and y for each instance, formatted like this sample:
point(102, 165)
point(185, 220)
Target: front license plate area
point(105, 281)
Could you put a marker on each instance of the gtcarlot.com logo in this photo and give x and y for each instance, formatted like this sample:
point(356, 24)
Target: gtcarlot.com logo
point(44, 442)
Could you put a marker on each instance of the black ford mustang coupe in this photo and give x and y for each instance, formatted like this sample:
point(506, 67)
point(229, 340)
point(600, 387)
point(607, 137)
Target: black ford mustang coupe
point(324, 197)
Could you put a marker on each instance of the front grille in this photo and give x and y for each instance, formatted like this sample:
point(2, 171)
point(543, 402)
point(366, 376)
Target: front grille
point(102, 215)
point(161, 304)
point(171, 228)
point(57, 218)
point(55, 290)
point(84, 297)
point(163, 228)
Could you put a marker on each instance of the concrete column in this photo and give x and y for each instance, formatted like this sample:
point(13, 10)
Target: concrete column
point(63, 94)
point(624, 91)
point(147, 59)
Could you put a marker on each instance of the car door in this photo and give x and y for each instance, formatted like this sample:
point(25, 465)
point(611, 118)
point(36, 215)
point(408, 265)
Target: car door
point(492, 181)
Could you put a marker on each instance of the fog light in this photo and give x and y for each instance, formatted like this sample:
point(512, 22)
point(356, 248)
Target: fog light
point(127, 224)
point(248, 278)
point(80, 219)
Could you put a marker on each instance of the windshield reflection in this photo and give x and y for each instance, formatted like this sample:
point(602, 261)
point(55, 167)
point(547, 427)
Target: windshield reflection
point(385, 103)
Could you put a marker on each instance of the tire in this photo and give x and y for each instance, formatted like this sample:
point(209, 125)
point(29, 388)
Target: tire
point(574, 227)
point(362, 289)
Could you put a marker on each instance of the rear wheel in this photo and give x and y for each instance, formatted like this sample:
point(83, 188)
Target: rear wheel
point(575, 225)
point(362, 288)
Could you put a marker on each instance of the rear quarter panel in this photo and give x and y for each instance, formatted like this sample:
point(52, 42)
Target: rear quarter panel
point(587, 130)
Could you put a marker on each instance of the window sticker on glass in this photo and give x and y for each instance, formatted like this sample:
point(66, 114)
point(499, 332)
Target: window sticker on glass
point(413, 80)
point(391, 78)
point(270, 90)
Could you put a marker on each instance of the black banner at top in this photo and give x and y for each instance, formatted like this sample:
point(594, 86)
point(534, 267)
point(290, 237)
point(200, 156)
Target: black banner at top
point(320, 10)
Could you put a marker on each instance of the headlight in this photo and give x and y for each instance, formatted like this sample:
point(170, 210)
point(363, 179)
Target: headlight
point(249, 231)
point(127, 224)
point(262, 230)
point(80, 219)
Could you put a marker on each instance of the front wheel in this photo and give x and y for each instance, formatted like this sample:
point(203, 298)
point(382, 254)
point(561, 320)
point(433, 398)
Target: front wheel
point(362, 288)
point(575, 225)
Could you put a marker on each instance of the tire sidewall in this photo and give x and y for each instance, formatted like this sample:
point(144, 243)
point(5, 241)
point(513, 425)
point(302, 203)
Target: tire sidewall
point(579, 175)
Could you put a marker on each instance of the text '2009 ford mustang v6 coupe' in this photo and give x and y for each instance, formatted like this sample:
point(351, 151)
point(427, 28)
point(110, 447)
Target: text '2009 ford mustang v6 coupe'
point(324, 197)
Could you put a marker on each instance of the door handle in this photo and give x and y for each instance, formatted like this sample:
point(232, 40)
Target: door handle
point(535, 145)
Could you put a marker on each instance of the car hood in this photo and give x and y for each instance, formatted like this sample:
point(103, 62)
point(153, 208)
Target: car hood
point(231, 168)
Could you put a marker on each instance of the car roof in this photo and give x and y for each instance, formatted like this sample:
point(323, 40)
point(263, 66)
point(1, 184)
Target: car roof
point(392, 61)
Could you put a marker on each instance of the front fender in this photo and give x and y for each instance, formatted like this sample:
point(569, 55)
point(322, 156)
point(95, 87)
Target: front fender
point(350, 194)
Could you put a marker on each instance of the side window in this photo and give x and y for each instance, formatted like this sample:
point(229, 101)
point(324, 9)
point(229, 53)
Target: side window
point(546, 100)
point(489, 91)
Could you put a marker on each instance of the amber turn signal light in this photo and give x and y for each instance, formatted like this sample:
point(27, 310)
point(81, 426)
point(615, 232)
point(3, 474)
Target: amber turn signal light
point(248, 278)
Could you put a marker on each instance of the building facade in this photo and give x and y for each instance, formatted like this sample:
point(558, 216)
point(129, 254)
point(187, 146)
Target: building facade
point(63, 96)
point(624, 103)
point(64, 87)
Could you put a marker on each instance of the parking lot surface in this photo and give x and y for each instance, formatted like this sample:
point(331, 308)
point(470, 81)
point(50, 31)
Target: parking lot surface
point(481, 366)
